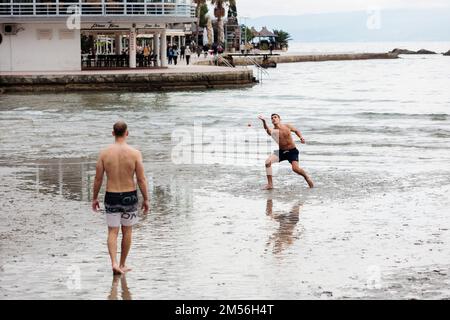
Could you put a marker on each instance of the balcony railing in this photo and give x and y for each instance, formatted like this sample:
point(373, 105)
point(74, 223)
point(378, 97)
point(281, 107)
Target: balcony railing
point(51, 9)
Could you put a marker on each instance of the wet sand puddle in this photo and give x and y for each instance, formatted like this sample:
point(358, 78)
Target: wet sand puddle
point(208, 241)
point(376, 226)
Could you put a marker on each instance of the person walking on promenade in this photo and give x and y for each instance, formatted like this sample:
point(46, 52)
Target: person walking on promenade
point(176, 53)
point(182, 52)
point(188, 55)
point(170, 55)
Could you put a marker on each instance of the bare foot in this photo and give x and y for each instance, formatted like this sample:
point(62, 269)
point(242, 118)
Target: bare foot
point(268, 187)
point(310, 183)
point(116, 270)
point(125, 269)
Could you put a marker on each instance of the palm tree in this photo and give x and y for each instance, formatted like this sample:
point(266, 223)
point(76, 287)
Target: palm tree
point(200, 4)
point(219, 13)
point(283, 38)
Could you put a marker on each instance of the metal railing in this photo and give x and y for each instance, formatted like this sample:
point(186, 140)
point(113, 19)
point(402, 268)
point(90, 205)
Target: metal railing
point(97, 9)
point(221, 59)
point(260, 69)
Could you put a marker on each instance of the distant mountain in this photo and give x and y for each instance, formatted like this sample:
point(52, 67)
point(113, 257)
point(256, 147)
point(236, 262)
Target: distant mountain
point(389, 25)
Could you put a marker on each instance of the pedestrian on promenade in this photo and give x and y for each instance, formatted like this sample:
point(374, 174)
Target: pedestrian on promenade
point(170, 55)
point(176, 53)
point(182, 52)
point(188, 55)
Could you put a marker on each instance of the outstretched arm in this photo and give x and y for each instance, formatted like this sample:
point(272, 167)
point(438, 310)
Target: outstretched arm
point(266, 127)
point(142, 182)
point(99, 172)
point(297, 132)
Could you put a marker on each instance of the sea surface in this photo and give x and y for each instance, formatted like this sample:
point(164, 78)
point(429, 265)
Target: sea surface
point(376, 225)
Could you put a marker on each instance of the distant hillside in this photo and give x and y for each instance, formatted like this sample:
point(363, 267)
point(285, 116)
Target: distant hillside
point(395, 25)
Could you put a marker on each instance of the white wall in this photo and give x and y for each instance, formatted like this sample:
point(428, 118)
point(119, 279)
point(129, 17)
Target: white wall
point(25, 52)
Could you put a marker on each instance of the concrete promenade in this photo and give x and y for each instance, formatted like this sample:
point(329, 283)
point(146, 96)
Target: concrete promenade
point(200, 75)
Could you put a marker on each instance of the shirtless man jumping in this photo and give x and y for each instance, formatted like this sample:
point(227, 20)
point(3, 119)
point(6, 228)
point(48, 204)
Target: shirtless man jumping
point(121, 163)
point(281, 133)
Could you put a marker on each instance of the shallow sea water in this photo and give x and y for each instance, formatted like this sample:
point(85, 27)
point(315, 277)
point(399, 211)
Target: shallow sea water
point(375, 226)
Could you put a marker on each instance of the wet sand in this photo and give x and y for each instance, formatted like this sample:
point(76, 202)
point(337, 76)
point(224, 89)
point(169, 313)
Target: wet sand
point(376, 225)
point(208, 241)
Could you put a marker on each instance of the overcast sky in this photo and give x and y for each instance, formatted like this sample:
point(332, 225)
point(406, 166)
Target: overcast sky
point(257, 8)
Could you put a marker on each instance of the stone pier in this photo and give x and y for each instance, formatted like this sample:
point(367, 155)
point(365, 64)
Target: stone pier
point(184, 78)
point(291, 58)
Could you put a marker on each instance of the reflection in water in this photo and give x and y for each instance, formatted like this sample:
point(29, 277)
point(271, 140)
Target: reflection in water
point(70, 178)
point(283, 237)
point(125, 293)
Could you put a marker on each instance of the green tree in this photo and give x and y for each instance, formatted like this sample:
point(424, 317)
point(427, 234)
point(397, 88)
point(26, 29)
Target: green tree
point(203, 12)
point(283, 38)
point(232, 10)
point(247, 34)
point(201, 4)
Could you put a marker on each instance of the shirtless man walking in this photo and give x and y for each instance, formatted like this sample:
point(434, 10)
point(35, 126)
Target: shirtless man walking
point(281, 133)
point(121, 163)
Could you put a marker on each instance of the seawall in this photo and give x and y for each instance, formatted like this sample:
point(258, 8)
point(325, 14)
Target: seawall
point(242, 60)
point(195, 78)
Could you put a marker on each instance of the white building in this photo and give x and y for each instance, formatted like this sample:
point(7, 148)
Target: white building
point(50, 35)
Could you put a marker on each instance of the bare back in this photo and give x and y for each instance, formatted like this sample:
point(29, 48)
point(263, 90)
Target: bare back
point(119, 162)
point(283, 137)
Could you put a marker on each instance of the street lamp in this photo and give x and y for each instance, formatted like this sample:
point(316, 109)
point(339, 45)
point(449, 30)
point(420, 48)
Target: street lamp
point(245, 33)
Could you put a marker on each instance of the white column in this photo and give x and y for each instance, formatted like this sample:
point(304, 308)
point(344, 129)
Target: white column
point(179, 41)
point(117, 44)
point(163, 48)
point(156, 48)
point(132, 48)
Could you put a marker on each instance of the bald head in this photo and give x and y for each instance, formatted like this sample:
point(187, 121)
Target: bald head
point(120, 129)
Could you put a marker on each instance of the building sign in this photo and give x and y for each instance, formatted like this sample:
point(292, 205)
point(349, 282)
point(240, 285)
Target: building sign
point(132, 39)
point(113, 26)
point(132, 48)
point(44, 34)
point(66, 34)
point(108, 26)
point(154, 26)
